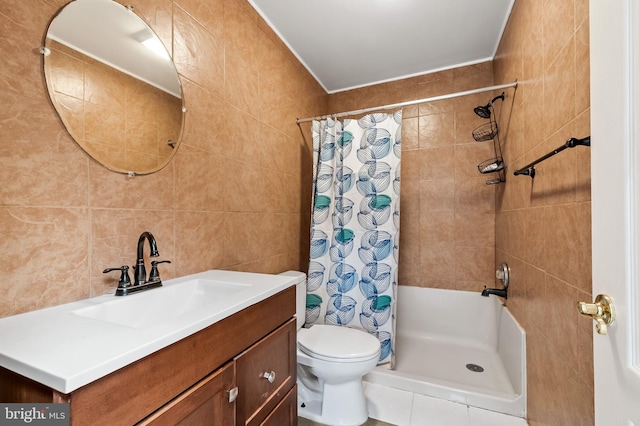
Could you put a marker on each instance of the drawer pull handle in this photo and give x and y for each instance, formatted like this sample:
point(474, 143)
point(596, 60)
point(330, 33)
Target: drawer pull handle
point(233, 394)
point(270, 376)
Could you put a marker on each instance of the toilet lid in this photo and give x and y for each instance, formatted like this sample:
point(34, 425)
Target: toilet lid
point(331, 341)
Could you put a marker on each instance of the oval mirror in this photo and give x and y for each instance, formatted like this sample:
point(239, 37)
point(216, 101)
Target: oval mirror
point(114, 86)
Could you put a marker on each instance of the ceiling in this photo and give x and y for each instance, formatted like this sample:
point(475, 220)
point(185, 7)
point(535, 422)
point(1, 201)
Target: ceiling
point(347, 44)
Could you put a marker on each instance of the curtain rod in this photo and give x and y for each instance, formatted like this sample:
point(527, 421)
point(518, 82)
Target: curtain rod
point(402, 104)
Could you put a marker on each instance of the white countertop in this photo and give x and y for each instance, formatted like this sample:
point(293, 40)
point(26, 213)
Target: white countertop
point(65, 351)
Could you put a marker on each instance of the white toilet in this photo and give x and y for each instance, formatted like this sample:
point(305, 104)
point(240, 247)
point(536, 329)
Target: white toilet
point(331, 363)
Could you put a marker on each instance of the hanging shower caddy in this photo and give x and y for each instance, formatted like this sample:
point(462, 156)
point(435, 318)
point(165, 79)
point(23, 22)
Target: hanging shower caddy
point(490, 132)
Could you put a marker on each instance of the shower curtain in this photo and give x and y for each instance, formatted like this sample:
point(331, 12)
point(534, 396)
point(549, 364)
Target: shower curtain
point(353, 267)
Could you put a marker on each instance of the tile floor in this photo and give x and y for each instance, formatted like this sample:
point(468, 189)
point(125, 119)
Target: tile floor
point(395, 407)
point(370, 422)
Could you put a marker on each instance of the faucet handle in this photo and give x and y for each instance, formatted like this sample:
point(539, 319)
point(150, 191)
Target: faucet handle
point(124, 281)
point(154, 275)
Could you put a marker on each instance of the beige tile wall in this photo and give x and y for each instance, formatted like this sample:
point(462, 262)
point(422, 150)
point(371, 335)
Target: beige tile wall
point(235, 196)
point(63, 218)
point(447, 220)
point(543, 226)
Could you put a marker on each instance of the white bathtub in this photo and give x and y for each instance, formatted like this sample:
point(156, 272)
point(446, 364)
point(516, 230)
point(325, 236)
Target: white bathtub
point(439, 332)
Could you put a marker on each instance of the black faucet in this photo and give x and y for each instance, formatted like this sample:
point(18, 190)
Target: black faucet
point(140, 282)
point(139, 271)
point(502, 275)
point(501, 292)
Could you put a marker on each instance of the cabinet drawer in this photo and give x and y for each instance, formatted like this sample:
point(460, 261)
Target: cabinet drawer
point(265, 373)
point(286, 413)
point(206, 402)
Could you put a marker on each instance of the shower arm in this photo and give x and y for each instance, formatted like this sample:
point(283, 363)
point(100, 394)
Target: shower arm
point(530, 170)
point(501, 96)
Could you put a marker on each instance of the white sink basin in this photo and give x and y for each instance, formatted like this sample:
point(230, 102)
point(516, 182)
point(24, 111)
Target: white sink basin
point(155, 306)
point(67, 346)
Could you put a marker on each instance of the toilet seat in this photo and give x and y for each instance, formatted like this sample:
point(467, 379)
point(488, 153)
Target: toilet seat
point(338, 344)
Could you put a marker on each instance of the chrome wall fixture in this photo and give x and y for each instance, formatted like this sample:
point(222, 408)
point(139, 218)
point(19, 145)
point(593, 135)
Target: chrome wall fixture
point(502, 275)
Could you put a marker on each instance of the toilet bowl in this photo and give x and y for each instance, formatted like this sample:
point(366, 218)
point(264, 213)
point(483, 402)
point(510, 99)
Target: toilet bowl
point(331, 362)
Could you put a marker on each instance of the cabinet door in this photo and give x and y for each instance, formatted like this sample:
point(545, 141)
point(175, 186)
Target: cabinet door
point(286, 413)
point(265, 373)
point(205, 403)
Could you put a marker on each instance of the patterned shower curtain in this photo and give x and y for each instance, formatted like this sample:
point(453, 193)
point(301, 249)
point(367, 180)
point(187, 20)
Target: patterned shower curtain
point(353, 267)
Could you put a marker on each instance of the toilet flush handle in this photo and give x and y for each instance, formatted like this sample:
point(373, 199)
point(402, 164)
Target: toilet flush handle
point(269, 375)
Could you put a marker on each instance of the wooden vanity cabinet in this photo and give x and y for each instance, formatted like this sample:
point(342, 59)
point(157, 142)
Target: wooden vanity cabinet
point(286, 413)
point(187, 383)
point(265, 373)
point(205, 403)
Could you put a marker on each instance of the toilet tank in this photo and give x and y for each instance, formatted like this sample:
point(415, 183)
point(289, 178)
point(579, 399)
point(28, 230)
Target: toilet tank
point(301, 295)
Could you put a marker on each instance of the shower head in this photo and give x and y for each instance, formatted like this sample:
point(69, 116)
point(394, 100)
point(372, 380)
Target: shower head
point(484, 111)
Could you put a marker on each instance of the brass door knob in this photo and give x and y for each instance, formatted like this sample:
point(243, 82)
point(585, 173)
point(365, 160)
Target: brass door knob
point(601, 311)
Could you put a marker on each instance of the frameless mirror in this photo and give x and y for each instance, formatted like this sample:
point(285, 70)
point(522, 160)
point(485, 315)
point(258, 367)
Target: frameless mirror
point(114, 86)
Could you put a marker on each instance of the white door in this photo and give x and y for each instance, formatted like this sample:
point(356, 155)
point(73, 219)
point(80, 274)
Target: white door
point(615, 182)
